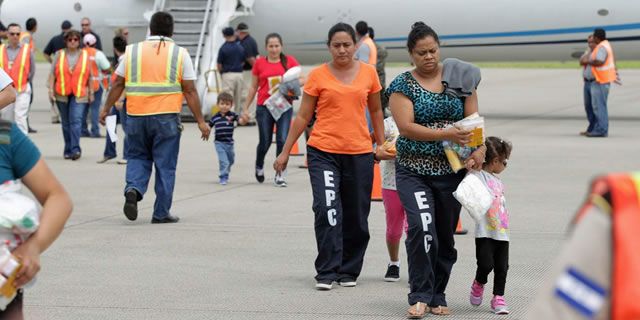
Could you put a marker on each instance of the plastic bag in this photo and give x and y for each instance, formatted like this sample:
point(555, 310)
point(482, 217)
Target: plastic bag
point(277, 104)
point(19, 215)
point(9, 267)
point(456, 153)
point(474, 196)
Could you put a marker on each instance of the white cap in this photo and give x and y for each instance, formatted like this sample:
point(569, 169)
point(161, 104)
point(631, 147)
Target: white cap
point(89, 39)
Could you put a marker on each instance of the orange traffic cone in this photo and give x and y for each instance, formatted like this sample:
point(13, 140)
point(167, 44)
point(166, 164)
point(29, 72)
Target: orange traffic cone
point(376, 191)
point(460, 229)
point(295, 151)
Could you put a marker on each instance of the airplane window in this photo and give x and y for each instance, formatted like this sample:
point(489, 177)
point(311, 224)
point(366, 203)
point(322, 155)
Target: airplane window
point(77, 7)
point(603, 12)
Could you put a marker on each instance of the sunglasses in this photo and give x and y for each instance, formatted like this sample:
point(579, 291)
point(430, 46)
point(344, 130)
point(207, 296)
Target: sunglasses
point(85, 24)
point(14, 33)
point(73, 40)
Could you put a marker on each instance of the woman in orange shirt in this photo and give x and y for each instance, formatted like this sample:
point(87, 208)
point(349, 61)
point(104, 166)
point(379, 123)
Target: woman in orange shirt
point(340, 156)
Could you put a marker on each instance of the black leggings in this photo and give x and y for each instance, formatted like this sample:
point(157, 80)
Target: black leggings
point(492, 255)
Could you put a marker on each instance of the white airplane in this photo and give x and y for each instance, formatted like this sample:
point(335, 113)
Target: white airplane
point(469, 29)
point(473, 30)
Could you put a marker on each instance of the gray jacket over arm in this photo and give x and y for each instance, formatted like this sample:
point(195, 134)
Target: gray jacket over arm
point(460, 78)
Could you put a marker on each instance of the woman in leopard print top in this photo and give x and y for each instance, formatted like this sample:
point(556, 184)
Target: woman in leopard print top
point(423, 112)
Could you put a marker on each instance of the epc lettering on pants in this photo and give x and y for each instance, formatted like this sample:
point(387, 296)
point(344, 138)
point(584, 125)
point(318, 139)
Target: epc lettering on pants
point(330, 196)
point(425, 216)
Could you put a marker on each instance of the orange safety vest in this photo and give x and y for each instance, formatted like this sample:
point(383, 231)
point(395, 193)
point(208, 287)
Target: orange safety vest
point(373, 51)
point(153, 77)
point(605, 73)
point(625, 216)
point(20, 68)
point(95, 75)
point(74, 81)
point(26, 38)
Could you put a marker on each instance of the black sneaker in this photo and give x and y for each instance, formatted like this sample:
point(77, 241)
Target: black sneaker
point(324, 285)
point(393, 274)
point(168, 219)
point(260, 175)
point(131, 204)
point(347, 282)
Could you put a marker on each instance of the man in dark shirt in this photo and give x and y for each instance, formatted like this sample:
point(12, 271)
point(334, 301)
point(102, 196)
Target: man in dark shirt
point(85, 23)
point(57, 42)
point(231, 58)
point(251, 50)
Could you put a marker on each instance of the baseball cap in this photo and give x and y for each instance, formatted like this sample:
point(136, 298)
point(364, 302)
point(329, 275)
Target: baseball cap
point(242, 27)
point(89, 39)
point(228, 31)
point(66, 25)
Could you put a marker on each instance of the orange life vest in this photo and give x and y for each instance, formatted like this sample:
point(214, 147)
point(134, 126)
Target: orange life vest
point(95, 75)
point(625, 218)
point(605, 73)
point(74, 81)
point(153, 77)
point(20, 67)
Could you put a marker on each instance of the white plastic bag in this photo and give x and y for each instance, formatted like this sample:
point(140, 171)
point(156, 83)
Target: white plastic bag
point(291, 74)
point(474, 196)
point(19, 215)
point(277, 105)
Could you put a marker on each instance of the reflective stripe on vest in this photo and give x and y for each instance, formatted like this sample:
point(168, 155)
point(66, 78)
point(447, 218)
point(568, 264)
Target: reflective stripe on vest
point(153, 77)
point(19, 71)
point(75, 81)
point(95, 75)
point(605, 73)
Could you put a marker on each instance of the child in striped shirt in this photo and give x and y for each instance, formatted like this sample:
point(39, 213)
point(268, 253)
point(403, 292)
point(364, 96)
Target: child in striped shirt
point(223, 123)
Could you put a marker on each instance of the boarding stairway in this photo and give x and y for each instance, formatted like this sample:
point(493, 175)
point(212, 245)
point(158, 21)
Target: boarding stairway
point(198, 27)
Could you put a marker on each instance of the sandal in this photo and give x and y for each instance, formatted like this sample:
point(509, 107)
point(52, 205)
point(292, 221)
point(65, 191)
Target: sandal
point(441, 311)
point(417, 311)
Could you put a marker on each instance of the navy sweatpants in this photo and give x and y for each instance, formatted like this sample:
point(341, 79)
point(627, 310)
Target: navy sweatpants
point(432, 216)
point(341, 185)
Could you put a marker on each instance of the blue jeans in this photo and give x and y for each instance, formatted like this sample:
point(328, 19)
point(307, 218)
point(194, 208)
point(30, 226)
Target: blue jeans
point(599, 95)
point(588, 107)
point(265, 129)
point(71, 118)
point(94, 107)
point(110, 147)
point(226, 157)
point(153, 140)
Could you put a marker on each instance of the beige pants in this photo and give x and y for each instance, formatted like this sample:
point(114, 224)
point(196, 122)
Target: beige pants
point(247, 76)
point(232, 83)
point(17, 112)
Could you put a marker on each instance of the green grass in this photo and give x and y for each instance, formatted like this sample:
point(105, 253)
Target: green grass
point(573, 64)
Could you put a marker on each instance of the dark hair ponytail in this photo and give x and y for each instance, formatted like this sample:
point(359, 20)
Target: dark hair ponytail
point(497, 149)
point(419, 31)
point(283, 57)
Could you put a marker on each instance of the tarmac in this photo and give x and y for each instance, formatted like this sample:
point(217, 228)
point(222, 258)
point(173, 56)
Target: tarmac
point(246, 250)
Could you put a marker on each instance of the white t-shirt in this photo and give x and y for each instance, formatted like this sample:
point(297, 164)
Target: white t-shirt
point(495, 223)
point(5, 80)
point(188, 73)
point(388, 167)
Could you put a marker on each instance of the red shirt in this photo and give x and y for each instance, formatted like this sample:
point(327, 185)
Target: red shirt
point(269, 76)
